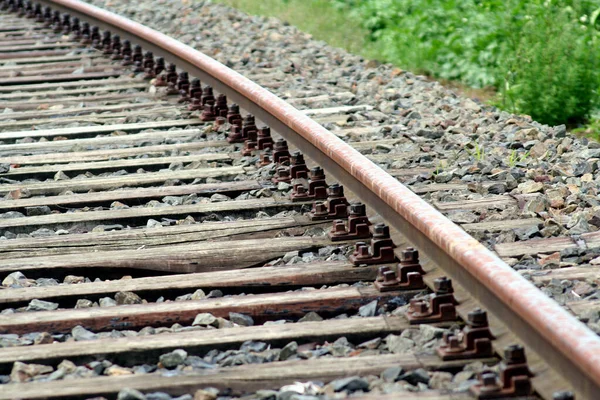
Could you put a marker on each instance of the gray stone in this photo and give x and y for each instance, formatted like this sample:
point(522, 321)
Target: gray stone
point(43, 338)
point(37, 210)
point(205, 319)
point(71, 279)
point(11, 215)
point(288, 351)
point(370, 344)
point(350, 384)
point(41, 305)
point(130, 394)
point(172, 200)
point(311, 317)
point(42, 232)
point(391, 374)
point(440, 380)
point(241, 319)
point(399, 345)
point(158, 396)
point(217, 197)
point(198, 294)
point(579, 226)
point(368, 310)
point(173, 359)
point(152, 223)
point(84, 303)
point(107, 302)
point(497, 188)
point(530, 187)
point(14, 278)
point(463, 376)
point(61, 176)
point(341, 347)
point(428, 332)
point(283, 186)
point(127, 298)
point(213, 294)
point(526, 233)
point(80, 334)
point(415, 377)
point(264, 394)
point(253, 346)
point(22, 372)
point(46, 282)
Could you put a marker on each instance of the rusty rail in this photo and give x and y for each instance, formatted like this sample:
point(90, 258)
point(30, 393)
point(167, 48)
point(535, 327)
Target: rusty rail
point(563, 341)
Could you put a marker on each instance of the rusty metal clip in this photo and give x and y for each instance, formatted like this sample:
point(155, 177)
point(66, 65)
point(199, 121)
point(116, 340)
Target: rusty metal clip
point(208, 113)
point(233, 113)
point(250, 145)
point(336, 205)
point(264, 158)
point(408, 274)
point(282, 174)
point(235, 134)
point(439, 308)
point(281, 153)
point(208, 96)
point(314, 189)
point(298, 168)
point(221, 108)
point(264, 139)
point(387, 280)
point(513, 380)
point(475, 340)
point(356, 228)
point(381, 250)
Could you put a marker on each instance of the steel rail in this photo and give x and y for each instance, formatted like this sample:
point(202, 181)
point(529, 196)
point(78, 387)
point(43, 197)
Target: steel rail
point(565, 343)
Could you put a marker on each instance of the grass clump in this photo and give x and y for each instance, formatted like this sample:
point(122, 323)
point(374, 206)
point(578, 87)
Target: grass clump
point(542, 56)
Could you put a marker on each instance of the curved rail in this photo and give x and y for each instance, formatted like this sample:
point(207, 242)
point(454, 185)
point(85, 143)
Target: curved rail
point(565, 343)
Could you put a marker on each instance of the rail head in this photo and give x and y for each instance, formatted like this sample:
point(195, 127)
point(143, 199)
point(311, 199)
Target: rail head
point(565, 343)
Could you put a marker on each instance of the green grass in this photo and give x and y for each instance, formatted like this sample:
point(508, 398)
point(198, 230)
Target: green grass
point(535, 57)
point(320, 18)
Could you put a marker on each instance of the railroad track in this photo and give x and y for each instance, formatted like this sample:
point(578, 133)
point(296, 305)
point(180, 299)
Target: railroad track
point(162, 239)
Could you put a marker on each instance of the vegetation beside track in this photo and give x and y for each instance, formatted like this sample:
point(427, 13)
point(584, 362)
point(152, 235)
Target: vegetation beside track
point(541, 58)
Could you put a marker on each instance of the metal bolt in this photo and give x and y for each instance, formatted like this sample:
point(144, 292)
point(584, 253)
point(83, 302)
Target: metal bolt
point(248, 119)
point(300, 189)
point(280, 145)
point(389, 276)
point(362, 251)
point(410, 256)
point(234, 109)
point(358, 210)
point(381, 231)
point(317, 173)
point(477, 318)
point(420, 307)
point(381, 272)
point(442, 285)
point(320, 208)
point(563, 395)
point(489, 382)
point(335, 190)
point(453, 342)
point(515, 354)
point(338, 228)
point(264, 131)
point(283, 172)
point(297, 158)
